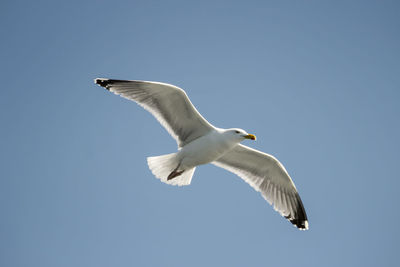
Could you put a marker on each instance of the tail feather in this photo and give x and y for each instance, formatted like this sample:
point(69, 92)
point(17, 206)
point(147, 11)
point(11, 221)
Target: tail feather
point(162, 166)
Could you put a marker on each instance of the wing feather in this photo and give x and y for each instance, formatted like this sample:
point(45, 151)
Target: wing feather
point(268, 176)
point(167, 103)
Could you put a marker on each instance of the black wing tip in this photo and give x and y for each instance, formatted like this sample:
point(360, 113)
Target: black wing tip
point(300, 218)
point(301, 224)
point(103, 82)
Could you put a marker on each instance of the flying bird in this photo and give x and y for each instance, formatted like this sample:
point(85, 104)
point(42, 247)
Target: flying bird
point(199, 143)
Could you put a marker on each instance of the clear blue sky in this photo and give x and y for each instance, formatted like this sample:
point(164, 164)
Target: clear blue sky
point(318, 82)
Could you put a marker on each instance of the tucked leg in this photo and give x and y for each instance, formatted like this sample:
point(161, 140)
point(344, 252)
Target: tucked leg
point(174, 173)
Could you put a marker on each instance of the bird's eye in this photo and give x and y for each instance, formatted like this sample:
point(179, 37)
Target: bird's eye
point(237, 132)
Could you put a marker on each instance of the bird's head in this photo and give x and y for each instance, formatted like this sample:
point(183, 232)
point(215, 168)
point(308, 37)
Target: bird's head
point(240, 135)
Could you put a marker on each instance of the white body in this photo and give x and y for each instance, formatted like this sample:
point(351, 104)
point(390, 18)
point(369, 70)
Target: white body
point(206, 149)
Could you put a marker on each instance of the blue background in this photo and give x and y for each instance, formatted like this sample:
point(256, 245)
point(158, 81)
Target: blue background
point(316, 81)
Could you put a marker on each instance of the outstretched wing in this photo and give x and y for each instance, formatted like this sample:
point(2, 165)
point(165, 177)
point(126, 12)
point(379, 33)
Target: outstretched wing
point(267, 176)
point(169, 105)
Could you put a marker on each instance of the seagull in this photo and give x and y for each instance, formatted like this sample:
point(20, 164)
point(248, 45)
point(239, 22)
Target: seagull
point(200, 143)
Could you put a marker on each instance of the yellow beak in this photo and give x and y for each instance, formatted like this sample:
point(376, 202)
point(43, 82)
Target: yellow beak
point(250, 136)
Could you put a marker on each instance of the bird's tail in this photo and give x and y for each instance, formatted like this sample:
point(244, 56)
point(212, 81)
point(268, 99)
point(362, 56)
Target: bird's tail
point(163, 166)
